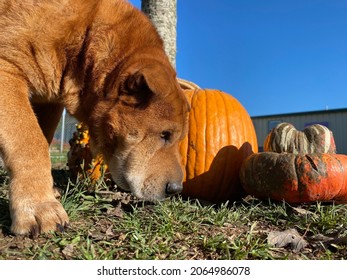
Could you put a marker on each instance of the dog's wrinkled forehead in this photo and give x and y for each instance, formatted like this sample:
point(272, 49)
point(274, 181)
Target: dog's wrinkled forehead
point(171, 103)
point(154, 84)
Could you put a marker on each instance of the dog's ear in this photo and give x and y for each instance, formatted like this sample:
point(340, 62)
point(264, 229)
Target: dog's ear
point(135, 90)
point(140, 85)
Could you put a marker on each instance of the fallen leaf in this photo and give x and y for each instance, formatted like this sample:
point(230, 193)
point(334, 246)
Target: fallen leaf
point(122, 236)
point(117, 211)
point(285, 238)
point(320, 240)
point(109, 232)
point(302, 211)
point(96, 235)
point(68, 251)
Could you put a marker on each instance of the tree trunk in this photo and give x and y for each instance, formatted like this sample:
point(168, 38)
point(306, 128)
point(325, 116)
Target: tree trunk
point(163, 14)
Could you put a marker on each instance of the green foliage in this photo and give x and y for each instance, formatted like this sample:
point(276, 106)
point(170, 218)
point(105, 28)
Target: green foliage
point(108, 224)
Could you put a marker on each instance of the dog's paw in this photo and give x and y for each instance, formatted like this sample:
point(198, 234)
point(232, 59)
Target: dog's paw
point(32, 217)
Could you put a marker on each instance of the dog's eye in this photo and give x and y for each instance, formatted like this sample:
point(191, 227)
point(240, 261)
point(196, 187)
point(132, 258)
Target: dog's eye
point(165, 135)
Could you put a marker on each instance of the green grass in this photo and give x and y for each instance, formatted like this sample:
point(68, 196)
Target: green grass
point(108, 224)
point(58, 159)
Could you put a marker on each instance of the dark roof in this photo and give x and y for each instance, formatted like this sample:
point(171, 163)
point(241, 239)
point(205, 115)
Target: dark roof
point(303, 113)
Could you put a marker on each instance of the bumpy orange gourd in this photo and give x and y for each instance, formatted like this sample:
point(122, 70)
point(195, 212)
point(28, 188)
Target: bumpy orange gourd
point(296, 178)
point(220, 136)
point(297, 166)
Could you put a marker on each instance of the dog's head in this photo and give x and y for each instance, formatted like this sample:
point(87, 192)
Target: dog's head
point(137, 125)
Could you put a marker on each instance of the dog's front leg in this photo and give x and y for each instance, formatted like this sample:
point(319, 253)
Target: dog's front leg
point(33, 207)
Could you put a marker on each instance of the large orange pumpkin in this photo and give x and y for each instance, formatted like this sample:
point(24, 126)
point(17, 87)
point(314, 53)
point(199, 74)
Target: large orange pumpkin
point(220, 136)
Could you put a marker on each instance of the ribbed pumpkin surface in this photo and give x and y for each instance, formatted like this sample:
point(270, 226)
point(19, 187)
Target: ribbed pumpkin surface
point(313, 139)
point(220, 136)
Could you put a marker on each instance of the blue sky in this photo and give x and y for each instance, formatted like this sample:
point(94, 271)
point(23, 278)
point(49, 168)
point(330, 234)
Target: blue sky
point(274, 56)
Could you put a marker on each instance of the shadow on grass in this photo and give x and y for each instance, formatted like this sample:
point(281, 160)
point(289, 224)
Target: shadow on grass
point(5, 219)
point(61, 178)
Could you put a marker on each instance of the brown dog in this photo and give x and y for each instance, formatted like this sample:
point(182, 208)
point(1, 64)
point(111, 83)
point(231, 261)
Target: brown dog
point(103, 61)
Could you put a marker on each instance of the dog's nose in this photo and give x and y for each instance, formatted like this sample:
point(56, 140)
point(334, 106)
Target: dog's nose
point(173, 188)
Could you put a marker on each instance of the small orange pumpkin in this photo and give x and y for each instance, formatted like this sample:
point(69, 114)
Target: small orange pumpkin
point(297, 167)
point(296, 178)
